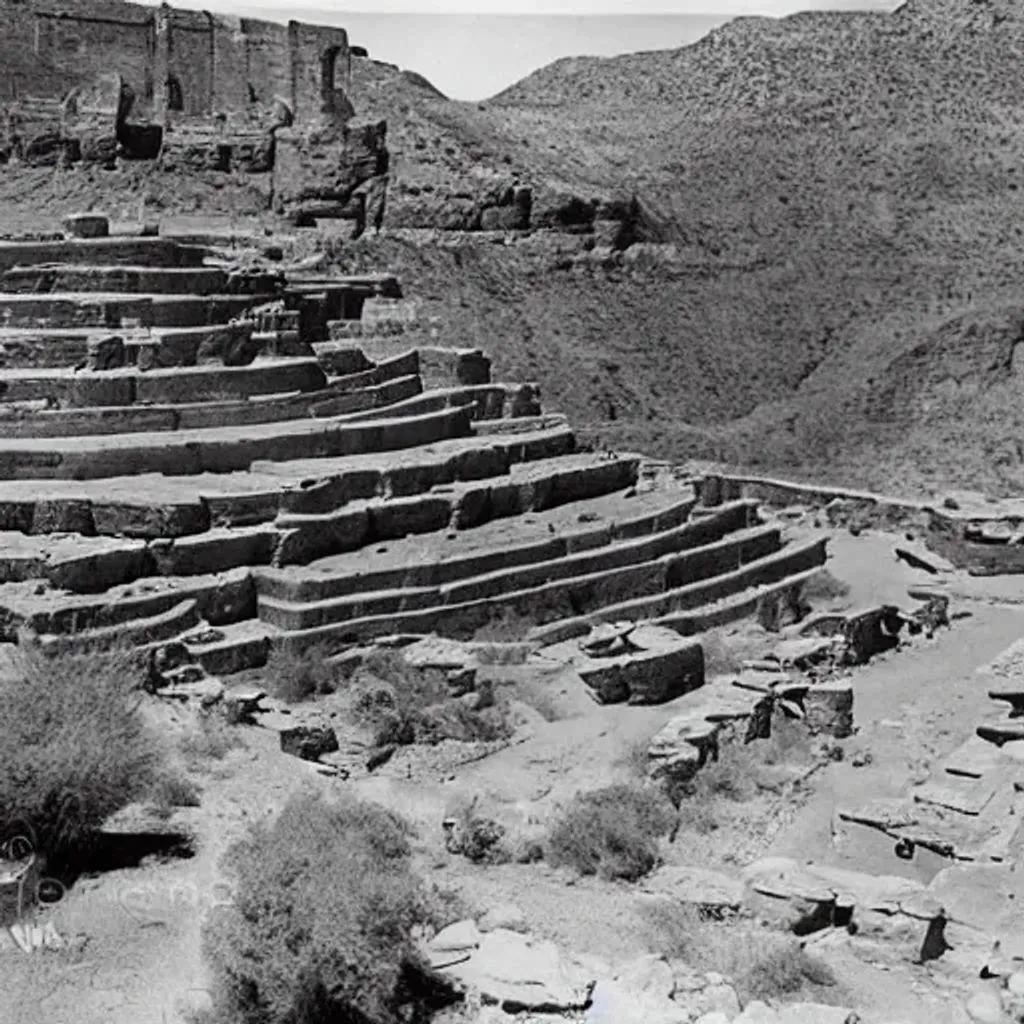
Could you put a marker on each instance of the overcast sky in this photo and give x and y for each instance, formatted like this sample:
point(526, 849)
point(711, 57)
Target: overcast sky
point(472, 49)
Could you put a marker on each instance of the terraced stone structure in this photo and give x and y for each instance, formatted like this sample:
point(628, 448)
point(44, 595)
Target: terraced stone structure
point(207, 462)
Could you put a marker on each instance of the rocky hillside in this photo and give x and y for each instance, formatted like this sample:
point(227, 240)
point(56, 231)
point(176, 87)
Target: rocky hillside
point(831, 190)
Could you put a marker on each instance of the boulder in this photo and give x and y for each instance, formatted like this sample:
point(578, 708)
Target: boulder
point(521, 973)
point(828, 709)
point(785, 893)
point(648, 976)
point(615, 1003)
point(308, 741)
point(985, 1007)
point(452, 945)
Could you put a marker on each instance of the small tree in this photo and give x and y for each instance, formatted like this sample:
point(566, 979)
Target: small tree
point(73, 746)
point(320, 927)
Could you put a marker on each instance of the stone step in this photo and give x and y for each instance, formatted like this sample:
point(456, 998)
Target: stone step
point(40, 280)
point(338, 357)
point(521, 424)
point(165, 507)
point(690, 608)
point(273, 408)
point(28, 349)
point(533, 486)
point(431, 561)
point(184, 384)
point(488, 402)
point(400, 365)
point(233, 647)
point(145, 347)
point(220, 598)
point(550, 601)
point(647, 565)
point(112, 251)
point(219, 449)
point(443, 367)
point(116, 310)
point(141, 632)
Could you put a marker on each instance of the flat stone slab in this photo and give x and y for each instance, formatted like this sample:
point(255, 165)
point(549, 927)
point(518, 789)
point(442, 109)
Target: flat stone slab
point(218, 450)
point(522, 974)
point(975, 758)
point(966, 796)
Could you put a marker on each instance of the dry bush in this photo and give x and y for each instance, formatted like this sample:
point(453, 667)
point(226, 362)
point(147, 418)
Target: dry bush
point(825, 588)
point(170, 790)
point(740, 772)
point(536, 694)
point(74, 746)
point(494, 653)
point(211, 740)
point(295, 677)
point(612, 832)
point(403, 704)
point(322, 919)
point(761, 964)
point(506, 627)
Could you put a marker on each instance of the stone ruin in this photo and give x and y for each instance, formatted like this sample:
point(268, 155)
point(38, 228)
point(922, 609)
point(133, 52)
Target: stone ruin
point(97, 81)
point(208, 462)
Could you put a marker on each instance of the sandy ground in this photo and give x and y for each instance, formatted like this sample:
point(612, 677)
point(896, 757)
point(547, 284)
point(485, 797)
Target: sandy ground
point(132, 952)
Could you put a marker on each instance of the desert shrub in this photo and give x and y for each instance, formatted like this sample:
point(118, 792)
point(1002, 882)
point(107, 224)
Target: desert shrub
point(612, 832)
point(295, 677)
point(494, 653)
point(824, 587)
point(775, 969)
point(760, 964)
point(211, 740)
point(535, 693)
point(73, 746)
point(404, 704)
point(171, 789)
point(472, 833)
point(321, 923)
point(506, 626)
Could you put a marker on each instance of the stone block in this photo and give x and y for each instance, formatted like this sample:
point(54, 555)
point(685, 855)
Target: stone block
point(645, 677)
point(828, 709)
point(86, 225)
point(105, 353)
point(309, 742)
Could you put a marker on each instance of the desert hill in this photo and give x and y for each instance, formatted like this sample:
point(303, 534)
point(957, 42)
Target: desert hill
point(816, 198)
point(837, 188)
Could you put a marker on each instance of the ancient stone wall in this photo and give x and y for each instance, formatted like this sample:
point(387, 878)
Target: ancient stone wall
point(46, 49)
point(178, 63)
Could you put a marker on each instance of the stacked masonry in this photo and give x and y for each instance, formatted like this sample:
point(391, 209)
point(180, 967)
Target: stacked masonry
point(193, 454)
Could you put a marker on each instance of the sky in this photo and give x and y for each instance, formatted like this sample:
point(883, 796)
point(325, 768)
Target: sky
point(472, 49)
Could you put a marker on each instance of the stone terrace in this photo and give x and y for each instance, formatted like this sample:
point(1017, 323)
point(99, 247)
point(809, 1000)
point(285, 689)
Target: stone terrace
point(238, 459)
